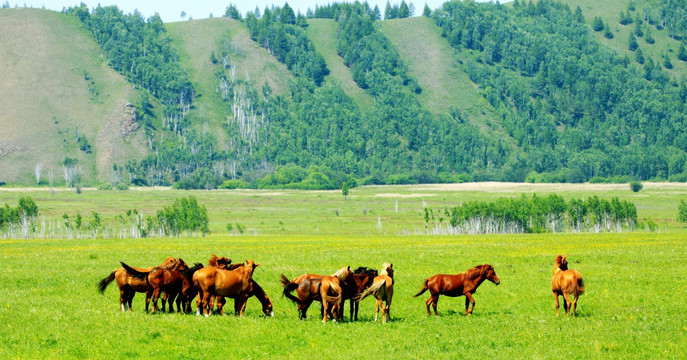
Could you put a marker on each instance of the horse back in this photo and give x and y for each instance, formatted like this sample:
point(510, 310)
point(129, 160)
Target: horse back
point(124, 279)
point(568, 282)
point(448, 285)
point(231, 283)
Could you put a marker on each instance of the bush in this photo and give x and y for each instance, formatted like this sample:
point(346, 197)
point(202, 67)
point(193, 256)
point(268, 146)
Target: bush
point(233, 184)
point(105, 186)
point(636, 186)
point(122, 186)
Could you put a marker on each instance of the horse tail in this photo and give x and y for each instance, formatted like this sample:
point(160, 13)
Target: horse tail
point(579, 289)
point(371, 290)
point(102, 285)
point(289, 287)
point(135, 273)
point(336, 289)
point(424, 288)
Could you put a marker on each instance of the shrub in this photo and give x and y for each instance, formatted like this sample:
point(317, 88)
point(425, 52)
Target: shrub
point(105, 186)
point(233, 184)
point(636, 186)
point(122, 186)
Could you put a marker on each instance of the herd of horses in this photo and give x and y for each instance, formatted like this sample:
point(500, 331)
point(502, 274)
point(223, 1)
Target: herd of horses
point(175, 282)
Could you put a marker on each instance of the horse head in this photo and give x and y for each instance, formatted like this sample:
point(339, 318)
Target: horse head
point(249, 267)
point(180, 265)
point(490, 274)
point(561, 263)
point(343, 273)
point(388, 270)
point(219, 262)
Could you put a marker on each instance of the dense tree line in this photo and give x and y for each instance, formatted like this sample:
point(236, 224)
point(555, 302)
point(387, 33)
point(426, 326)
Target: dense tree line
point(534, 214)
point(568, 101)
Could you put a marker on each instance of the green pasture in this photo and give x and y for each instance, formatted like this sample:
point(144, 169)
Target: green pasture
point(633, 307)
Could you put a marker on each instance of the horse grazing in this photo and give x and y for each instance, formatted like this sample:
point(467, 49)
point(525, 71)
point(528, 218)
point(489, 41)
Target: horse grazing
point(160, 279)
point(360, 280)
point(212, 282)
point(259, 293)
point(465, 283)
point(331, 293)
point(566, 282)
point(383, 290)
point(128, 285)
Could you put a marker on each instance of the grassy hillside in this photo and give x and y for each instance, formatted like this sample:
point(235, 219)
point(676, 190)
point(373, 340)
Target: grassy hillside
point(46, 99)
point(609, 10)
point(322, 32)
point(434, 64)
point(220, 35)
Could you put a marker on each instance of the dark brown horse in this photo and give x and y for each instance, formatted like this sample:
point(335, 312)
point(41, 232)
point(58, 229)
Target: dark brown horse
point(566, 282)
point(160, 279)
point(307, 291)
point(360, 280)
point(128, 285)
point(213, 282)
point(465, 283)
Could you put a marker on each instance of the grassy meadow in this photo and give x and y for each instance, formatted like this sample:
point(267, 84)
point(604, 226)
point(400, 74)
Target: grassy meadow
point(50, 308)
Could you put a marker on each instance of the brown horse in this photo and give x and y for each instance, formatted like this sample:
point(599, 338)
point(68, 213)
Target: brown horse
point(361, 279)
point(128, 285)
point(465, 283)
point(307, 289)
point(566, 282)
point(189, 291)
point(257, 291)
point(383, 290)
point(212, 282)
point(331, 293)
point(160, 279)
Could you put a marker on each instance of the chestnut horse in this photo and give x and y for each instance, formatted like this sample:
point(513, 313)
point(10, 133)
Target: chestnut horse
point(383, 290)
point(331, 293)
point(212, 282)
point(189, 291)
point(160, 279)
point(465, 283)
point(128, 285)
point(566, 282)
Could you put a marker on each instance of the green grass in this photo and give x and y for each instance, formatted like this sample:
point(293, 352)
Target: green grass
point(50, 308)
point(45, 98)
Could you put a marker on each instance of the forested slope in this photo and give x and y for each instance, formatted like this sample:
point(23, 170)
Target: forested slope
point(543, 91)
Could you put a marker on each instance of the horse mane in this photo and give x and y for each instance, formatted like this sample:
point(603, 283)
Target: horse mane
point(189, 273)
point(476, 271)
point(385, 270)
point(343, 273)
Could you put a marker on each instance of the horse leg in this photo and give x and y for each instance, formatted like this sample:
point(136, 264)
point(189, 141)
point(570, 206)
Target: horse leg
point(575, 306)
point(165, 296)
point(567, 303)
point(555, 297)
point(468, 297)
point(378, 304)
point(221, 301)
point(206, 308)
point(435, 302)
point(324, 311)
point(199, 302)
point(304, 309)
point(156, 296)
point(388, 308)
point(122, 299)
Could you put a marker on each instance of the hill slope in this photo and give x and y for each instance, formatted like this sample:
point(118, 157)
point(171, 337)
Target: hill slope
point(46, 57)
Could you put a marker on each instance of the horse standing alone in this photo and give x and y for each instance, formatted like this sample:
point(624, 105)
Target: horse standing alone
point(566, 282)
point(465, 283)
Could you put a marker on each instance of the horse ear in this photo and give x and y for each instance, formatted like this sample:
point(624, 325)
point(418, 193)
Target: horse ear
point(391, 266)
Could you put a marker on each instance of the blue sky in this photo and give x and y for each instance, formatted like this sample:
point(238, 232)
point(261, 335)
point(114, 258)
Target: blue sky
point(170, 10)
